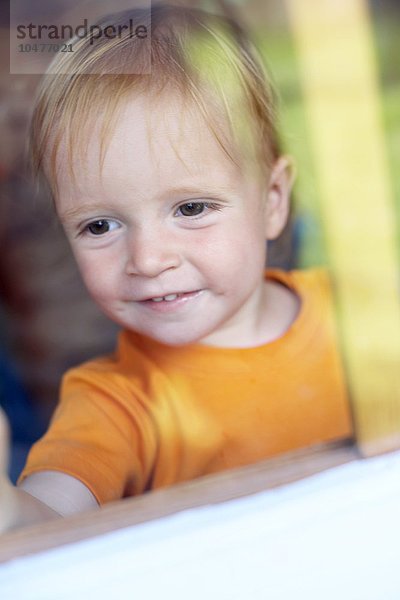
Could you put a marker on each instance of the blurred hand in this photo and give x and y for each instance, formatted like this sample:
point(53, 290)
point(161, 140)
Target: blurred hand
point(4, 442)
point(6, 487)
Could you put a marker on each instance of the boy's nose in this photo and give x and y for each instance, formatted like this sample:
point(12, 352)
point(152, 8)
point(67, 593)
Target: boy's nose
point(150, 253)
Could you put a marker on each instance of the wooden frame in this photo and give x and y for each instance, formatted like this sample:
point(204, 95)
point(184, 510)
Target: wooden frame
point(335, 48)
point(206, 490)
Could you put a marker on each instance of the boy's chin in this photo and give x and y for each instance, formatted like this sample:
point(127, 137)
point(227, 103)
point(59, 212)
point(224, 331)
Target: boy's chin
point(175, 338)
point(175, 341)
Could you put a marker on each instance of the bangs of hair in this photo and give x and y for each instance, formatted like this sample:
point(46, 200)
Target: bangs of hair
point(203, 57)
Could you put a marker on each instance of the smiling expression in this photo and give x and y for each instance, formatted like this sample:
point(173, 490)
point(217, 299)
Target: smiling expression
point(169, 234)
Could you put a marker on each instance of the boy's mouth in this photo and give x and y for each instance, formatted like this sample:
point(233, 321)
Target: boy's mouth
point(170, 300)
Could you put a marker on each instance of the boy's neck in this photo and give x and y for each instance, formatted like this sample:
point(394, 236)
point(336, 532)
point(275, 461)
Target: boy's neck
point(277, 307)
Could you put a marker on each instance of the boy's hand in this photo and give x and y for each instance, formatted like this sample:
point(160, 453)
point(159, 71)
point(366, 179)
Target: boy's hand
point(6, 487)
point(4, 435)
point(4, 439)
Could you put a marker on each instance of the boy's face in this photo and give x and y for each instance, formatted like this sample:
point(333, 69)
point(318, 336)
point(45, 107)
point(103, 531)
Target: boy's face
point(170, 235)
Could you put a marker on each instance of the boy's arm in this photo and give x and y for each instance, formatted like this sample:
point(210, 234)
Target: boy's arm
point(41, 497)
point(62, 493)
point(18, 508)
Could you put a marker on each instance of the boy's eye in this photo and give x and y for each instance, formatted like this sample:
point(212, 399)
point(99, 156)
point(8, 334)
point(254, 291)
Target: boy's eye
point(100, 227)
point(192, 209)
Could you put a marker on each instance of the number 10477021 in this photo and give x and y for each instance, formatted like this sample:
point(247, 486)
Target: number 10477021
point(45, 47)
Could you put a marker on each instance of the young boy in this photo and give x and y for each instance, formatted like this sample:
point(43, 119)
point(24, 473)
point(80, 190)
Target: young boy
point(168, 186)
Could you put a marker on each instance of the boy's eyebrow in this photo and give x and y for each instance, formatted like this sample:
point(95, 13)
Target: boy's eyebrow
point(199, 192)
point(79, 210)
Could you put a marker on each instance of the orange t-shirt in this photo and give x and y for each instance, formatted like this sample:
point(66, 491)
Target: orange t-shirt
point(151, 415)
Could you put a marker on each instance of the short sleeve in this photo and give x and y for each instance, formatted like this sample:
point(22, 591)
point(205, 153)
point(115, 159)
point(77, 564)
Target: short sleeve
point(100, 434)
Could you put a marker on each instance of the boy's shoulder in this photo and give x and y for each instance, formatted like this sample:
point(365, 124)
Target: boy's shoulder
point(107, 371)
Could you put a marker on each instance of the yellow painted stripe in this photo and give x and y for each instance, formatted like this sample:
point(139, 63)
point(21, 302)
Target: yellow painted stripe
point(335, 51)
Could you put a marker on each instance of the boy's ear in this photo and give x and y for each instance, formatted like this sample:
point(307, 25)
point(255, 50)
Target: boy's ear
point(278, 196)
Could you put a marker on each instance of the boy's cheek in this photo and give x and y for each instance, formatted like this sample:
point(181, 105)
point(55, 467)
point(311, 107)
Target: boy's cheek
point(98, 277)
point(242, 244)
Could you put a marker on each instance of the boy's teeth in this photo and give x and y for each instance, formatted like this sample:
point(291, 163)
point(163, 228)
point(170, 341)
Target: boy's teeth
point(168, 298)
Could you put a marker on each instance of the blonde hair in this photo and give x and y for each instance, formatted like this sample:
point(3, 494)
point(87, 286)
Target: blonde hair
point(204, 57)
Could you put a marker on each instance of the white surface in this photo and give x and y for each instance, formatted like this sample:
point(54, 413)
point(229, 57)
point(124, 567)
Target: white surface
point(333, 536)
